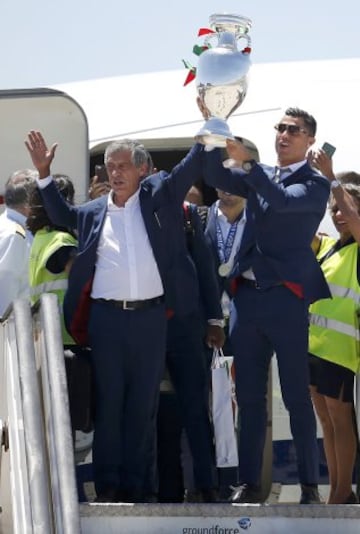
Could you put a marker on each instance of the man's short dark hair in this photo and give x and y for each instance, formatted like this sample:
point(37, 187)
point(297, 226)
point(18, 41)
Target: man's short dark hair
point(309, 121)
point(38, 217)
point(18, 188)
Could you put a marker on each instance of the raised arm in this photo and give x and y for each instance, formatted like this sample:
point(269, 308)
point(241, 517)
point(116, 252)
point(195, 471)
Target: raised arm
point(226, 179)
point(40, 154)
point(60, 212)
point(345, 202)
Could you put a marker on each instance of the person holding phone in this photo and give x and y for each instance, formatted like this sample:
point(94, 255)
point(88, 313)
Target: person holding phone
point(334, 356)
point(99, 183)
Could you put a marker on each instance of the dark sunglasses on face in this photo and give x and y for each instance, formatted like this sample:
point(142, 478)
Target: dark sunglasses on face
point(292, 129)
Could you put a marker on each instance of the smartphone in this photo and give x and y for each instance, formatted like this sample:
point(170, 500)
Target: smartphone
point(100, 171)
point(328, 149)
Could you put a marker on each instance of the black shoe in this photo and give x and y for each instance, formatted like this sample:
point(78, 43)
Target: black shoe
point(247, 493)
point(309, 495)
point(204, 495)
point(352, 499)
point(108, 495)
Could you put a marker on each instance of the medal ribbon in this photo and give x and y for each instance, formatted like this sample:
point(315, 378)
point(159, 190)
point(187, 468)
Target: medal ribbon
point(225, 248)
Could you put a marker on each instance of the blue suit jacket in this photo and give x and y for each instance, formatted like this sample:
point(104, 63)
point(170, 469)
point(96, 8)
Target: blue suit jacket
point(203, 258)
point(161, 196)
point(282, 219)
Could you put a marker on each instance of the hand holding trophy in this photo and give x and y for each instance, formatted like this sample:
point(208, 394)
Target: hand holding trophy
point(221, 76)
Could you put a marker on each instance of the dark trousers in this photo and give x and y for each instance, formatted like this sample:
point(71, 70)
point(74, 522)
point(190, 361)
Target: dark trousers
point(263, 322)
point(128, 353)
point(169, 430)
point(187, 369)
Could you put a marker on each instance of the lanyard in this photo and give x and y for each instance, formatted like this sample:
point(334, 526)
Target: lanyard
point(225, 247)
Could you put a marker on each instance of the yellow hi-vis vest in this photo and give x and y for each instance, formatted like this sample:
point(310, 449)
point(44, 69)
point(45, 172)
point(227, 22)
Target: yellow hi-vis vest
point(46, 242)
point(334, 324)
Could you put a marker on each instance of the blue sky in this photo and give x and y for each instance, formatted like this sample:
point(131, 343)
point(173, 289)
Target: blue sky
point(44, 43)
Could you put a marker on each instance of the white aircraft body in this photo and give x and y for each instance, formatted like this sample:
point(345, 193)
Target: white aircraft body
point(155, 108)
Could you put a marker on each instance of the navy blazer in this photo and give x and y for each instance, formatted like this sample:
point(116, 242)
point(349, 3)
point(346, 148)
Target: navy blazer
point(202, 256)
point(161, 196)
point(282, 219)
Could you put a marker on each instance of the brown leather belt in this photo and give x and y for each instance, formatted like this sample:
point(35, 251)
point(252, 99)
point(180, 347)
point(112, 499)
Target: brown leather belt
point(133, 304)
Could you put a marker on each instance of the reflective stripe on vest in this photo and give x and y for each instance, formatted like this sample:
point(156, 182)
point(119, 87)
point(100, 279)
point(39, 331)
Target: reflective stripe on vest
point(337, 326)
point(344, 292)
point(334, 332)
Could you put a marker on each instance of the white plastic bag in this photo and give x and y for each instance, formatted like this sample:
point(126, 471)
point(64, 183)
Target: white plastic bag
point(222, 412)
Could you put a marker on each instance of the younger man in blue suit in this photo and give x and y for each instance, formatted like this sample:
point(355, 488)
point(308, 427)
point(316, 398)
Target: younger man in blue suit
point(277, 276)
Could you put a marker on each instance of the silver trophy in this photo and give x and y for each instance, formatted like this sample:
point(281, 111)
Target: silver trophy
point(221, 75)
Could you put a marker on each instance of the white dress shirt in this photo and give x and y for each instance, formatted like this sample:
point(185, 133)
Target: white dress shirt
point(125, 268)
point(15, 244)
point(289, 169)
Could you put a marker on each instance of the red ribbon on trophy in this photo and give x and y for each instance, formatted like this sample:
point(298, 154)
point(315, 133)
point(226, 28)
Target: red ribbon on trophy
point(198, 50)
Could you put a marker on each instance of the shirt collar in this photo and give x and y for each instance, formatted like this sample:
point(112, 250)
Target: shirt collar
point(133, 200)
point(241, 219)
point(290, 169)
point(15, 216)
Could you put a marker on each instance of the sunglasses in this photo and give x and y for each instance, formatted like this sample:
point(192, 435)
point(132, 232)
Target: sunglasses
point(292, 129)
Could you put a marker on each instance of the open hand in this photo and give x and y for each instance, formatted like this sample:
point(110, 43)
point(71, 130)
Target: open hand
point(40, 154)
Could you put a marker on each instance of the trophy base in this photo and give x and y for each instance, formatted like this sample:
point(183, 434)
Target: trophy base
point(214, 133)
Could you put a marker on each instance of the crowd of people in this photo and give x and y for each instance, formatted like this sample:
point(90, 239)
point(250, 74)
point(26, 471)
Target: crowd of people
point(150, 288)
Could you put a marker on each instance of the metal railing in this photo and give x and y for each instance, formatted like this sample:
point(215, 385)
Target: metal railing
point(35, 406)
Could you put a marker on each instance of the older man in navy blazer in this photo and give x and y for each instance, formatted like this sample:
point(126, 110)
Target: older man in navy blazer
point(129, 250)
point(277, 277)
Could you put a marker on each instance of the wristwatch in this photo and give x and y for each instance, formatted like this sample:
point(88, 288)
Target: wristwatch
point(247, 165)
point(334, 184)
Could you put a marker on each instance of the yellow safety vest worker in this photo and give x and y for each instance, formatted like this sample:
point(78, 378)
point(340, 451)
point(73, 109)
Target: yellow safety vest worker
point(46, 242)
point(334, 325)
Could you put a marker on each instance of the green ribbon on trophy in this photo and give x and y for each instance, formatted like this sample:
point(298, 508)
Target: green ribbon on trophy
point(198, 50)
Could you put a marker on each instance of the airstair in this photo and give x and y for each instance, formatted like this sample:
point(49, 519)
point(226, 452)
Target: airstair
point(38, 486)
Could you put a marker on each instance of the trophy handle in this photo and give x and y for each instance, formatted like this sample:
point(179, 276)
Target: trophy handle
point(223, 40)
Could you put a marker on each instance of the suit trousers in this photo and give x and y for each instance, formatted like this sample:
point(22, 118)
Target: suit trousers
point(186, 363)
point(264, 322)
point(128, 355)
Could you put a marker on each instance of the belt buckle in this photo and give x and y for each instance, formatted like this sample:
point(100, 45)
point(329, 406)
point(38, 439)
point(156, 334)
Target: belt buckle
point(125, 305)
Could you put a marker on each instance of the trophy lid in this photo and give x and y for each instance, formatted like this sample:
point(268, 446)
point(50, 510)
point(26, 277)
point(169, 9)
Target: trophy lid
point(230, 22)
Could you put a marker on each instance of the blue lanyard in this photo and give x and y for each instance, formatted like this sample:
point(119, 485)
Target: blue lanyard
point(225, 248)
